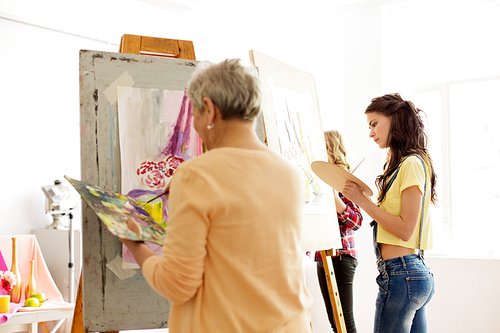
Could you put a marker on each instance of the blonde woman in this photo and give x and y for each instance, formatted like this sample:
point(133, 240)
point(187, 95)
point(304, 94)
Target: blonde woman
point(345, 259)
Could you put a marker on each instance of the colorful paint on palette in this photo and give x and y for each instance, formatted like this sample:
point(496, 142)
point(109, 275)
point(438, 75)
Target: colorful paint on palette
point(114, 209)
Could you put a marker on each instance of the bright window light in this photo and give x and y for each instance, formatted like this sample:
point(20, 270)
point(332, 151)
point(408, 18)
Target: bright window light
point(443, 56)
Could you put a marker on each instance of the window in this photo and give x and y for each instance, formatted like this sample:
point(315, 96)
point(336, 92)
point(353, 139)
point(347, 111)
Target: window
point(453, 74)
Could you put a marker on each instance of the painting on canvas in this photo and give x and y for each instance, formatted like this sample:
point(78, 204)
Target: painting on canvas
point(156, 135)
point(293, 128)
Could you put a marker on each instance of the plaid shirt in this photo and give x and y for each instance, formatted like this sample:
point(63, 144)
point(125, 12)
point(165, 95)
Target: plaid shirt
point(349, 221)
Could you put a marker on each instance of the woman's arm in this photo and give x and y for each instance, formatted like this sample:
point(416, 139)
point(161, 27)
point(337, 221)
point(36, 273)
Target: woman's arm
point(339, 204)
point(402, 226)
point(139, 250)
point(351, 217)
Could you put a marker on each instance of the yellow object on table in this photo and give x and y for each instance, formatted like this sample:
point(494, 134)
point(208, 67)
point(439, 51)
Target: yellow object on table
point(4, 303)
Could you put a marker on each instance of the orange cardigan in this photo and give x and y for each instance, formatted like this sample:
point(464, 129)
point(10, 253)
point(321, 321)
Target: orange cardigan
point(231, 258)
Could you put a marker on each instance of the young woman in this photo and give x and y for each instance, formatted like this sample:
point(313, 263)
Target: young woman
point(344, 260)
point(402, 221)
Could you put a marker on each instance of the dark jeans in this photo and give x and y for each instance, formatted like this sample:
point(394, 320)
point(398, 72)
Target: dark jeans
point(344, 267)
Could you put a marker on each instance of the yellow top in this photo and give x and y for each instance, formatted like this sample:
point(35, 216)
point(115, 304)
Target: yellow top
point(231, 260)
point(410, 174)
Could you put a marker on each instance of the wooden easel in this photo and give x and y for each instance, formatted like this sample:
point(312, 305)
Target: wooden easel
point(333, 290)
point(171, 48)
point(327, 263)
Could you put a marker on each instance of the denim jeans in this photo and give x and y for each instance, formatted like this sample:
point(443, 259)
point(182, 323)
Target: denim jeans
point(406, 286)
point(344, 267)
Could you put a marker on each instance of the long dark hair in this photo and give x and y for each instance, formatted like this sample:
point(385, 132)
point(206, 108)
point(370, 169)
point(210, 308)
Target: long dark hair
point(407, 136)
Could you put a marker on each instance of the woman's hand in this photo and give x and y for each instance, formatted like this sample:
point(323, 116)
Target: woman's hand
point(133, 226)
point(131, 244)
point(139, 250)
point(136, 229)
point(353, 192)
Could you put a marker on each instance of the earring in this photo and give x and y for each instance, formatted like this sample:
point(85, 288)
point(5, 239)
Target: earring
point(210, 126)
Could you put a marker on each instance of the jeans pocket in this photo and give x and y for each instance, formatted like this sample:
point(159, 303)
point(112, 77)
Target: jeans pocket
point(383, 281)
point(418, 288)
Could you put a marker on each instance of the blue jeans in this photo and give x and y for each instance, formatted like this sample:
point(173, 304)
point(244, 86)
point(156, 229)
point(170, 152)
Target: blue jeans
point(406, 286)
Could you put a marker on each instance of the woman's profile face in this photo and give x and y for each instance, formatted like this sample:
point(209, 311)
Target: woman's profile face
point(379, 126)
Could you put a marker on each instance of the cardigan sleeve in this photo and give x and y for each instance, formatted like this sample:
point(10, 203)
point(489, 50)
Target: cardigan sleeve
point(178, 273)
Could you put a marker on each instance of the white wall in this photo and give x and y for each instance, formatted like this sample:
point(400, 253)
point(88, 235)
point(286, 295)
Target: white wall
point(40, 124)
point(40, 120)
point(465, 288)
point(312, 43)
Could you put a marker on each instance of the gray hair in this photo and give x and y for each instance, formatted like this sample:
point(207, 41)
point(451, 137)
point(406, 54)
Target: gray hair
point(234, 88)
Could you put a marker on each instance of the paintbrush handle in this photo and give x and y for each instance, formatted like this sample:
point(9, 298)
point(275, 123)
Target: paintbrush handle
point(166, 192)
point(151, 200)
point(358, 165)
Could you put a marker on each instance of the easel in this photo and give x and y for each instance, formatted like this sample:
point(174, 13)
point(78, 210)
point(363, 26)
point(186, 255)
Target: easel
point(325, 254)
point(333, 290)
point(171, 48)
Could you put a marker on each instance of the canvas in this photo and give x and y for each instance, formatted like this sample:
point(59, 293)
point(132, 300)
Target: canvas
point(293, 128)
point(156, 135)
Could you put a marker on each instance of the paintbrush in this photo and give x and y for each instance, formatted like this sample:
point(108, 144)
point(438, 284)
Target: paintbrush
point(166, 192)
point(358, 165)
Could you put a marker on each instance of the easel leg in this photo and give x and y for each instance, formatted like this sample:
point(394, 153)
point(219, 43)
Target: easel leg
point(334, 293)
point(77, 325)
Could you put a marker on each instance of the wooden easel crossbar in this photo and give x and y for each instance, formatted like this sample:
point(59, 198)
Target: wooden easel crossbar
point(162, 47)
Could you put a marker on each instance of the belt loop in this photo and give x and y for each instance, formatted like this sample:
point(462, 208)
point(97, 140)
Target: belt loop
point(403, 262)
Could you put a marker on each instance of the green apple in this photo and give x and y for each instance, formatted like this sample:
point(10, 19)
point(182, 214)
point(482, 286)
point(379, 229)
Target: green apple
point(32, 302)
point(40, 297)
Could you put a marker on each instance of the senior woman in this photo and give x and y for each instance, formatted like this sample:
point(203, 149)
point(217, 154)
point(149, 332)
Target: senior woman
point(231, 259)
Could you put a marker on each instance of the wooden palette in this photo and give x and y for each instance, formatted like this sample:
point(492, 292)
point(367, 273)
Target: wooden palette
point(336, 177)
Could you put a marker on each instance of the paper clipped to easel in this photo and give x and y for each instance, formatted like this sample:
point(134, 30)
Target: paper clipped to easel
point(113, 209)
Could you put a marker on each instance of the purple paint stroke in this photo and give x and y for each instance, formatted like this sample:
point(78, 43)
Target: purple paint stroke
point(182, 130)
point(136, 193)
point(189, 121)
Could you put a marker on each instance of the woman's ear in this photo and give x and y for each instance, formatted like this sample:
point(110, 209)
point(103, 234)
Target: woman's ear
point(211, 109)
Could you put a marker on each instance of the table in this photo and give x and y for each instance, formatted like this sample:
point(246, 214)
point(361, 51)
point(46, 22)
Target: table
point(28, 321)
point(56, 309)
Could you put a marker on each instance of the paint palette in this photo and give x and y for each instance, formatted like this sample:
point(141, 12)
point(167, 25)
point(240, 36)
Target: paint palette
point(336, 177)
point(114, 209)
